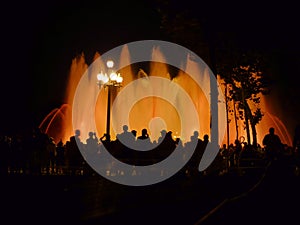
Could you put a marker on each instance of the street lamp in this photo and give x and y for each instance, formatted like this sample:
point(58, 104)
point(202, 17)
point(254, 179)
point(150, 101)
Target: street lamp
point(110, 80)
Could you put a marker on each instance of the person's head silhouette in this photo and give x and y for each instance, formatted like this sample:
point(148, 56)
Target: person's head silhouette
point(169, 133)
point(134, 132)
point(77, 132)
point(272, 130)
point(163, 133)
point(144, 132)
point(125, 128)
point(206, 137)
point(196, 134)
point(60, 143)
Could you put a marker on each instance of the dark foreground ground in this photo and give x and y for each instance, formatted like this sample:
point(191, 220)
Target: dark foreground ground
point(256, 197)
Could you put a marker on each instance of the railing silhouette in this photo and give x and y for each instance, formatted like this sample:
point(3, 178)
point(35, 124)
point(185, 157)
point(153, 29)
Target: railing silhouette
point(219, 166)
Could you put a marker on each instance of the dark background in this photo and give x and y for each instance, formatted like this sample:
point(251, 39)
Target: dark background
point(40, 39)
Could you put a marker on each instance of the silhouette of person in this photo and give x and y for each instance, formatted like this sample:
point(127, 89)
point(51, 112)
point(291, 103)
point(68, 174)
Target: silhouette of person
point(74, 158)
point(237, 152)
point(134, 133)
point(144, 135)
point(75, 140)
point(92, 143)
point(162, 136)
point(193, 141)
point(178, 142)
point(126, 138)
point(223, 150)
point(143, 141)
point(205, 141)
point(272, 143)
point(91, 150)
point(124, 142)
point(51, 149)
point(60, 154)
point(105, 139)
point(166, 144)
point(200, 145)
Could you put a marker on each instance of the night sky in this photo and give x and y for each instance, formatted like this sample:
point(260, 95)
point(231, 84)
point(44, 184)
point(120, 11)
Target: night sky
point(40, 39)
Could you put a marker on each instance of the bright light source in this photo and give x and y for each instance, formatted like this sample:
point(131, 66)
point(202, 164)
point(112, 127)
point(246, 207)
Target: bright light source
point(105, 79)
point(119, 79)
point(100, 76)
point(113, 76)
point(110, 64)
point(111, 79)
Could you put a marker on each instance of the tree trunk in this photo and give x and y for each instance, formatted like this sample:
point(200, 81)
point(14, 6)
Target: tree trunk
point(247, 124)
point(254, 135)
point(227, 117)
point(253, 127)
point(246, 116)
point(235, 120)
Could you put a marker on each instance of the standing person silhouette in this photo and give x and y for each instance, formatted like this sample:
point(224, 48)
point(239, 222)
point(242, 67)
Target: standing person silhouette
point(144, 135)
point(191, 168)
point(92, 144)
point(126, 138)
point(143, 141)
point(272, 143)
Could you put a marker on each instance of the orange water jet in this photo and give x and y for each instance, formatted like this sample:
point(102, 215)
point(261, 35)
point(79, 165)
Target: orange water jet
point(59, 122)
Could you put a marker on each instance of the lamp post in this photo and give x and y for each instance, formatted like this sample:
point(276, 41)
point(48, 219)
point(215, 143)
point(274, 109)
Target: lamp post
point(109, 80)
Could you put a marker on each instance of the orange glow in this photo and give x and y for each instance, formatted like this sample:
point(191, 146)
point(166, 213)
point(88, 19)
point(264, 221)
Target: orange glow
point(262, 128)
point(58, 123)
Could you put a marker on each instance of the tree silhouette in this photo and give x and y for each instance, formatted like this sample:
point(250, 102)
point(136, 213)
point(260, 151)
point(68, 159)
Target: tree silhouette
point(247, 83)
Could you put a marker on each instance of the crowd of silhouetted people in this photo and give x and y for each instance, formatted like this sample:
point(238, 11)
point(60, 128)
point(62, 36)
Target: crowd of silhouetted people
point(39, 154)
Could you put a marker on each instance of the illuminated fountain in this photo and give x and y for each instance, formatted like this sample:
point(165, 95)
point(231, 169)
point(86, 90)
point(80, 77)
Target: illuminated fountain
point(146, 112)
